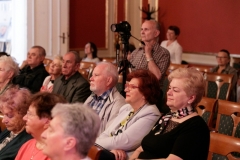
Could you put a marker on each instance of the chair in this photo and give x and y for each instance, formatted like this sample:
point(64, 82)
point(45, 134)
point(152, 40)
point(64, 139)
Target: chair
point(89, 66)
point(2, 126)
point(221, 146)
point(46, 63)
point(109, 59)
point(206, 108)
point(84, 73)
point(119, 85)
point(227, 121)
point(218, 85)
point(201, 68)
point(173, 66)
point(94, 152)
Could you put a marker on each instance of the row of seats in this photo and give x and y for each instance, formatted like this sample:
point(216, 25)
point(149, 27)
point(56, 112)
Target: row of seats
point(221, 116)
point(221, 147)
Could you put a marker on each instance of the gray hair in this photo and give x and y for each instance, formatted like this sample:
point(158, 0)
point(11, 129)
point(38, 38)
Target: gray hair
point(10, 64)
point(77, 56)
point(79, 121)
point(157, 24)
point(110, 70)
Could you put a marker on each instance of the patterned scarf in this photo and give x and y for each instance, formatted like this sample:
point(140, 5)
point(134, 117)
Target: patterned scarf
point(163, 122)
point(7, 140)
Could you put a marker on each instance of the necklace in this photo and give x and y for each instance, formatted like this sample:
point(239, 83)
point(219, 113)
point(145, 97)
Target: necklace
point(35, 150)
point(33, 153)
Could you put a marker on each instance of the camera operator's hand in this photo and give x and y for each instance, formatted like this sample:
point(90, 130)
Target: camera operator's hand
point(148, 49)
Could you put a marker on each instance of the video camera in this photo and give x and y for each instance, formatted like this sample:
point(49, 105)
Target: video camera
point(123, 28)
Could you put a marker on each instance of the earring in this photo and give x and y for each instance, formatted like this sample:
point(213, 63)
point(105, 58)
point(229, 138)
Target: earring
point(189, 102)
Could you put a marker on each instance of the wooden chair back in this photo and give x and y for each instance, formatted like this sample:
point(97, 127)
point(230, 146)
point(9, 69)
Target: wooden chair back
point(173, 66)
point(88, 66)
point(221, 146)
point(227, 120)
point(206, 108)
point(94, 152)
point(1, 124)
point(109, 59)
point(84, 73)
point(201, 68)
point(218, 85)
point(47, 63)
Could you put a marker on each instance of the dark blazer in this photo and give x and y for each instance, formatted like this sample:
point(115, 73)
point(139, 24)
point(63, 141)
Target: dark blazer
point(10, 151)
point(77, 90)
point(31, 78)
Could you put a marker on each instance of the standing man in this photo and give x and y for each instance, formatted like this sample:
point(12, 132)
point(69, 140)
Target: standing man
point(71, 85)
point(151, 56)
point(105, 98)
point(33, 73)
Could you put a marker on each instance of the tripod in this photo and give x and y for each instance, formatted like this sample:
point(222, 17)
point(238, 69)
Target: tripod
point(124, 66)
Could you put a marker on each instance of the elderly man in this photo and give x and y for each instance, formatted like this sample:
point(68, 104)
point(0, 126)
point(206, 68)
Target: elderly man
point(71, 85)
point(105, 98)
point(33, 73)
point(71, 133)
point(152, 56)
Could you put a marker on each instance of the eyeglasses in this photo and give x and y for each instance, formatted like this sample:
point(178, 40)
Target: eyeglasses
point(220, 57)
point(29, 114)
point(130, 86)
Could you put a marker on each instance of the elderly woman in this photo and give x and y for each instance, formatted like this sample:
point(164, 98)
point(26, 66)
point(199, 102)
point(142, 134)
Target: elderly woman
point(71, 133)
point(37, 120)
point(55, 70)
point(172, 45)
point(182, 133)
point(223, 60)
point(8, 69)
point(14, 104)
point(90, 53)
point(135, 119)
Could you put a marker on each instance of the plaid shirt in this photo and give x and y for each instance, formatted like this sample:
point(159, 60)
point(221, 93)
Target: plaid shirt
point(97, 103)
point(161, 57)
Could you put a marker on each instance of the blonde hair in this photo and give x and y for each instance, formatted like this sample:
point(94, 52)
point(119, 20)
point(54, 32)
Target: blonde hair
point(194, 83)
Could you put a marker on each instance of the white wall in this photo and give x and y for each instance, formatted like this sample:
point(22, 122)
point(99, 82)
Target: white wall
point(19, 30)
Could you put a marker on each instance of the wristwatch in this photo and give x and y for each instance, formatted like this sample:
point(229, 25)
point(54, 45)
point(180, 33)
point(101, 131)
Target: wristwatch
point(150, 59)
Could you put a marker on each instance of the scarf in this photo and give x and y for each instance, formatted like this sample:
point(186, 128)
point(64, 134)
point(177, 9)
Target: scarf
point(163, 122)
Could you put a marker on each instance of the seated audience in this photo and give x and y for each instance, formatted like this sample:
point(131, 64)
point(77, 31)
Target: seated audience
point(135, 119)
point(8, 70)
point(105, 98)
point(71, 133)
point(37, 120)
point(55, 71)
point(32, 72)
point(14, 104)
point(182, 133)
point(90, 53)
point(172, 45)
point(71, 84)
point(223, 60)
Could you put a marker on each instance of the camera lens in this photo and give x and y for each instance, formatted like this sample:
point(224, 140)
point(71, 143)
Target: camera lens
point(113, 27)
